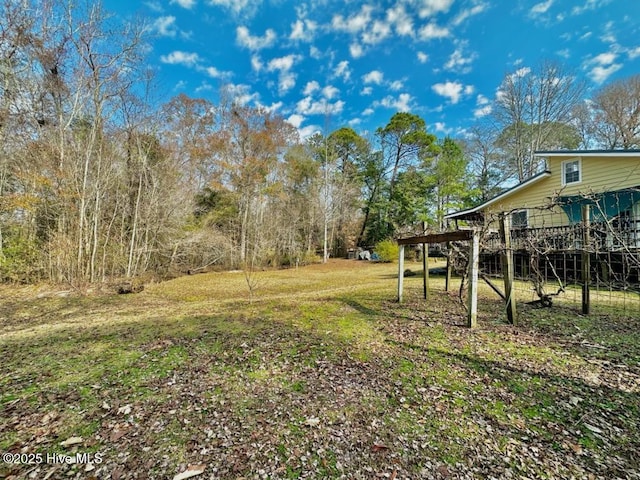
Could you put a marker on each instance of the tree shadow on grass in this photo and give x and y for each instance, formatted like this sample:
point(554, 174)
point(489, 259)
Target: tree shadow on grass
point(358, 306)
point(603, 416)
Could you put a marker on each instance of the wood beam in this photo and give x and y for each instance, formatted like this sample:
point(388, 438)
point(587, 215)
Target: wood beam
point(455, 236)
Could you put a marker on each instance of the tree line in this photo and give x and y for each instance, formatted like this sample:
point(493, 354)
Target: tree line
point(98, 180)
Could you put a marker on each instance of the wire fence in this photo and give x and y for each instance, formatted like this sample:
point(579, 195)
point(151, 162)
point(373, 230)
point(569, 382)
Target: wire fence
point(591, 240)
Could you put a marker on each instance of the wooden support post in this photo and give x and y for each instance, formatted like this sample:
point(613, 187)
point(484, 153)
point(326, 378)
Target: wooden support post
point(586, 260)
point(400, 272)
point(425, 270)
point(425, 264)
point(507, 268)
point(472, 296)
point(447, 279)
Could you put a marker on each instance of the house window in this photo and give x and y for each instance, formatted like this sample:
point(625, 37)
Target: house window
point(571, 172)
point(519, 219)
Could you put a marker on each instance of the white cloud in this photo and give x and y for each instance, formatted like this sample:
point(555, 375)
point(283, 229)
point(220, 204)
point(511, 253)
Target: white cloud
point(165, 26)
point(600, 73)
point(366, 91)
point(401, 20)
point(605, 58)
point(589, 5)
point(356, 50)
point(314, 52)
point(180, 85)
point(482, 111)
point(204, 87)
point(154, 6)
point(213, 72)
point(468, 13)
point(307, 106)
point(378, 32)
point(423, 57)
point(484, 107)
point(274, 107)
point(296, 120)
point(188, 4)
point(240, 93)
point(459, 62)
point(286, 79)
point(634, 53)
point(602, 66)
point(282, 63)
point(432, 7)
point(400, 104)
point(469, 89)
point(355, 23)
point(303, 30)
point(247, 7)
point(482, 100)
point(329, 92)
point(256, 63)
point(297, 30)
point(311, 87)
point(245, 39)
point(540, 8)
point(309, 131)
point(374, 76)
point(452, 90)
point(178, 57)
point(342, 70)
point(431, 31)
point(368, 111)
point(586, 35)
point(521, 72)
point(304, 106)
point(396, 85)
point(609, 35)
point(439, 126)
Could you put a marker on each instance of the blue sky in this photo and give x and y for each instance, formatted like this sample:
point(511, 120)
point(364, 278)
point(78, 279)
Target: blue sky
point(324, 64)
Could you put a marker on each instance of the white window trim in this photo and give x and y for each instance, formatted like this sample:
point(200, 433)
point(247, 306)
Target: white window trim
point(526, 215)
point(563, 175)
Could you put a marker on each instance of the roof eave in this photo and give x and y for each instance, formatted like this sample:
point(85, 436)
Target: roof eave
point(506, 193)
point(586, 153)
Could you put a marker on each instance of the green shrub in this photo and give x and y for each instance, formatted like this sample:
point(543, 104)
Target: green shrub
point(387, 250)
point(19, 260)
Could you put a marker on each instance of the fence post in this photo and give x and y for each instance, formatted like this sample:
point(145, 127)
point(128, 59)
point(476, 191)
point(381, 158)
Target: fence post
point(400, 272)
point(425, 270)
point(507, 267)
point(586, 260)
point(447, 280)
point(425, 264)
point(472, 300)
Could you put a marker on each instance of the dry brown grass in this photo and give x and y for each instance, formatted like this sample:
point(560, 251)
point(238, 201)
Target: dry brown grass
point(322, 374)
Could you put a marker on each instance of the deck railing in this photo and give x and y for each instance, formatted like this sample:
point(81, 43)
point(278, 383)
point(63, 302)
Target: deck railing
point(604, 236)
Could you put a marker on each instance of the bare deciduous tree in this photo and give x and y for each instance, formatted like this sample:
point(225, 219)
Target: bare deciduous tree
point(616, 114)
point(530, 107)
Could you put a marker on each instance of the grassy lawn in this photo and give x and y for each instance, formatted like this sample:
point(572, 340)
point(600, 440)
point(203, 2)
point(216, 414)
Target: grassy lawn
point(319, 374)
